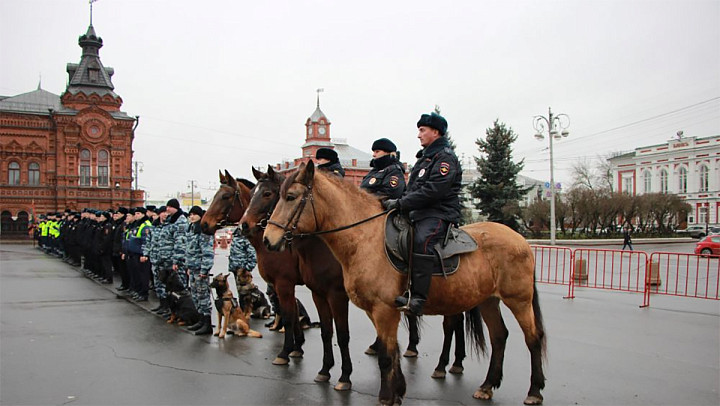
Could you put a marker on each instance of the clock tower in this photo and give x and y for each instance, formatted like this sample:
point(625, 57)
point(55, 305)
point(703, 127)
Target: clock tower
point(317, 131)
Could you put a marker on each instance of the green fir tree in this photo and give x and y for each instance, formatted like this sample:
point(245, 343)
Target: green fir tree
point(496, 188)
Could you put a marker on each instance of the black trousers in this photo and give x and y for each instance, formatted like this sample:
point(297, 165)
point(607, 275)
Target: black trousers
point(428, 232)
point(120, 266)
point(106, 266)
point(139, 275)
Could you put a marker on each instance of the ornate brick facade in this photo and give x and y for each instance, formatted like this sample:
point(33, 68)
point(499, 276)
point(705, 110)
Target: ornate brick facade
point(70, 151)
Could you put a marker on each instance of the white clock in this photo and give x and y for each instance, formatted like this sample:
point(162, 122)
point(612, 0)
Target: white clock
point(321, 130)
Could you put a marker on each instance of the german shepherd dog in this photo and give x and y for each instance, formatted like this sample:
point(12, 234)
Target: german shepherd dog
point(246, 287)
point(182, 308)
point(231, 313)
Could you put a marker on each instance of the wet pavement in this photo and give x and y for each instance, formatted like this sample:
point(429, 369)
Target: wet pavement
point(65, 339)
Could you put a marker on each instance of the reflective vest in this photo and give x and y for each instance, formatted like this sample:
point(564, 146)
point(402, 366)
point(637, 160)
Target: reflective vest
point(138, 233)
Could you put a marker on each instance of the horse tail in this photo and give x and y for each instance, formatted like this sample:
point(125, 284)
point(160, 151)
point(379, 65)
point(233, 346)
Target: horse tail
point(474, 331)
point(539, 327)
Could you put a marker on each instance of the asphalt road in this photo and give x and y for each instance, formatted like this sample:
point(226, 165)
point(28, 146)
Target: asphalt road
point(65, 339)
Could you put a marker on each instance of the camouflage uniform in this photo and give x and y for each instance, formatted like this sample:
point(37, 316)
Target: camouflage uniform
point(242, 254)
point(200, 257)
point(152, 251)
point(175, 234)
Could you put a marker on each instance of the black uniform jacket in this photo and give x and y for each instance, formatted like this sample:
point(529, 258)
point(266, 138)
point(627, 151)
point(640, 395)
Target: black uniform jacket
point(387, 178)
point(434, 186)
point(333, 167)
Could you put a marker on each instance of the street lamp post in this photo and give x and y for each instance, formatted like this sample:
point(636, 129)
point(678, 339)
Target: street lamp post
point(138, 168)
point(192, 184)
point(556, 128)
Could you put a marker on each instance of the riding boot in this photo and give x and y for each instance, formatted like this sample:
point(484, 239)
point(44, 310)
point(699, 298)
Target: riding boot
point(421, 276)
point(206, 327)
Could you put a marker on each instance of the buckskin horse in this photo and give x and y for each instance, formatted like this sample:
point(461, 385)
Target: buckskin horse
point(501, 269)
point(280, 269)
point(319, 270)
point(323, 275)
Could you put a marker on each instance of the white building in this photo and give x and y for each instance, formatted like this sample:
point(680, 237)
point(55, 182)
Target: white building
point(686, 166)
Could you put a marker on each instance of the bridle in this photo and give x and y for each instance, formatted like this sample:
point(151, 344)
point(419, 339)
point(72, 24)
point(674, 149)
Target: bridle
point(291, 225)
point(226, 220)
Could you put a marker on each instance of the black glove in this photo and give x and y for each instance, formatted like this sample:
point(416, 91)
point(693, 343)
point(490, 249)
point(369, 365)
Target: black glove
point(390, 204)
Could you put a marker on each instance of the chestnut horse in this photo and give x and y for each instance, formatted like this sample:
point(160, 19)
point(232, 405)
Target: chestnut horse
point(280, 269)
point(319, 270)
point(501, 269)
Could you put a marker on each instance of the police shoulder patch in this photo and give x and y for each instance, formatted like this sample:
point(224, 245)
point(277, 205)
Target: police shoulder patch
point(444, 168)
point(393, 181)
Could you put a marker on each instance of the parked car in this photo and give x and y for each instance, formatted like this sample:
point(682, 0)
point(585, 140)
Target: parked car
point(709, 245)
point(698, 231)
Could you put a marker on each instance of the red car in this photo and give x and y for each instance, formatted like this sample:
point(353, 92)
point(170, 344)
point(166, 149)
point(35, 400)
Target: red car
point(709, 245)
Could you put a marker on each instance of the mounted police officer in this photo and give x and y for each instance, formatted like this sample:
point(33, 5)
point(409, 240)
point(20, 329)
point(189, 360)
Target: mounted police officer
point(387, 178)
point(327, 159)
point(432, 200)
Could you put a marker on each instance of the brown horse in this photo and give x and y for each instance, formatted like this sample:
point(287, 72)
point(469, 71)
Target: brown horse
point(280, 269)
point(319, 270)
point(501, 269)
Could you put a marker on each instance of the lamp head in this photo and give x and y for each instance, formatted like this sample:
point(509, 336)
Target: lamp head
point(539, 136)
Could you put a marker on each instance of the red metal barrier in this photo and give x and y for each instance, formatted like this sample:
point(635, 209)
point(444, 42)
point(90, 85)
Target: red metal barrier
point(687, 275)
point(552, 264)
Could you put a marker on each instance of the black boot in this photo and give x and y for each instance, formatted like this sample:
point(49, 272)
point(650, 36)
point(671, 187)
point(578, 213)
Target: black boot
point(160, 307)
point(206, 327)
point(422, 269)
point(197, 325)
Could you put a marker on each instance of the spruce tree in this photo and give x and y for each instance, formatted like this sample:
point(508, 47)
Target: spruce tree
point(497, 188)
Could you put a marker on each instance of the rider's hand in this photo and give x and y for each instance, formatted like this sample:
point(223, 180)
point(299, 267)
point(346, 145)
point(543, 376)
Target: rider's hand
point(390, 204)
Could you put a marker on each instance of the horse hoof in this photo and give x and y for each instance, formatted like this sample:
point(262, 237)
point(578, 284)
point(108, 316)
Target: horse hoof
point(370, 351)
point(438, 374)
point(322, 378)
point(343, 386)
point(456, 369)
point(483, 393)
point(533, 400)
point(296, 354)
point(280, 361)
point(410, 354)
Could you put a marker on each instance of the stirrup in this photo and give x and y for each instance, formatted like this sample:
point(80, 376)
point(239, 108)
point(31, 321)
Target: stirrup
point(403, 308)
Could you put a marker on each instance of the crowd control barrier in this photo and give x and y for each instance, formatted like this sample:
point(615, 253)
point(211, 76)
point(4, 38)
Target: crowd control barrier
point(677, 274)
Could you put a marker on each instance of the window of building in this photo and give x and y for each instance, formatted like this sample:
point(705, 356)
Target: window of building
point(14, 173)
point(85, 167)
point(682, 180)
point(704, 178)
point(647, 181)
point(103, 168)
point(627, 185)
point(663, 181)
point(34, 174)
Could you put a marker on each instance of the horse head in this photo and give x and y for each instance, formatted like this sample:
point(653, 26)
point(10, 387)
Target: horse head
point(262, 203)
point(290, 215)
point(228, 204)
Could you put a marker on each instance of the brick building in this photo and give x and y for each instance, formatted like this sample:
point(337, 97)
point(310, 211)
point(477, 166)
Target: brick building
point(66, 151)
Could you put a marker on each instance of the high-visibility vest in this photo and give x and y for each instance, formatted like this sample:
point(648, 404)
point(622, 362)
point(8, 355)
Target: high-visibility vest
point(138, 233)
point(44, 228)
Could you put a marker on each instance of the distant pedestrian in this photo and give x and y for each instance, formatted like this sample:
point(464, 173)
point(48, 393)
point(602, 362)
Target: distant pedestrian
point(627, 240)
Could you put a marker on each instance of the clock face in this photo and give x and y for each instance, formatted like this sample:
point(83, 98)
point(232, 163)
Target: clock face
point(310, 130)
point(321, 130)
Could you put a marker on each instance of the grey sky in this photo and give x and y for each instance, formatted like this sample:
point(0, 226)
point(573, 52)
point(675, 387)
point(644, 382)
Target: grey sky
point(229, 84)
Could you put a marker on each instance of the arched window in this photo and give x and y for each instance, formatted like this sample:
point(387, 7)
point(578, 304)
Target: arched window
point(647, 181)
point(34, 174)
point(85, 167)
point(663, 181)
point(682, 179)
point(103, 167)
point(704, 178)
point(14, 174)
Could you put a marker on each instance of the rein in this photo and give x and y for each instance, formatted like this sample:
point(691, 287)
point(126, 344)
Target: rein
point(295, 219)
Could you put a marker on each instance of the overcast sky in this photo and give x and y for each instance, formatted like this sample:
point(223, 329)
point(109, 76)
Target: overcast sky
point(229, 84)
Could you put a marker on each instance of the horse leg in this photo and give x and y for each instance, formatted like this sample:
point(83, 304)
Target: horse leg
point(339, 306)
point(529, 317)
point(457, 325)
point(414, 330)
point(490, 310)
point(392, 381)
point(289, 313)
point(326, 333)
point(448, 330)
point(299, 339)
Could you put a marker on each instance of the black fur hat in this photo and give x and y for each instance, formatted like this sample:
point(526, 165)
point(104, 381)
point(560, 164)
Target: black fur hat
point(383, 144)
point(151, 208)
point(327, 153)
point(433, 120)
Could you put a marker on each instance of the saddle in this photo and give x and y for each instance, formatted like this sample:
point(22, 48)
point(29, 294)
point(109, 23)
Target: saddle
point(398, 245)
